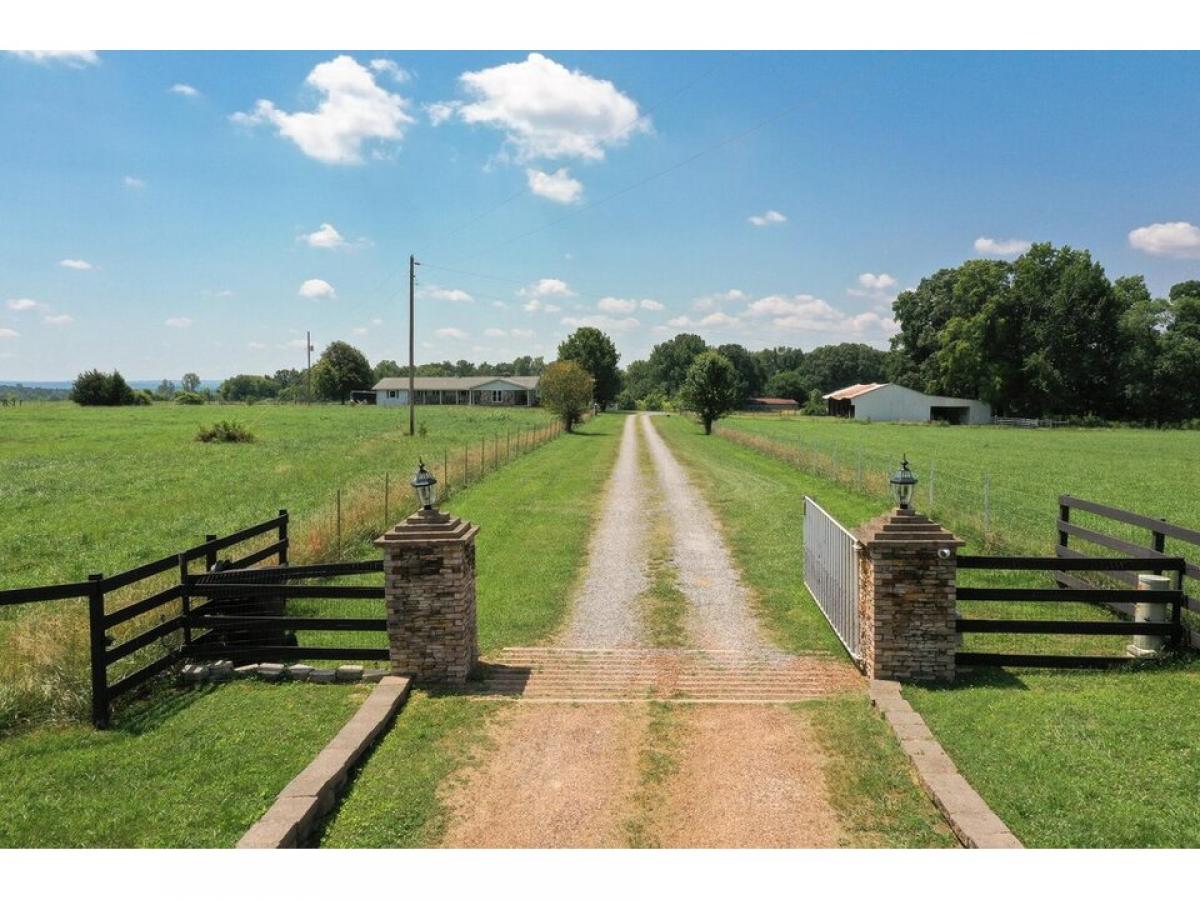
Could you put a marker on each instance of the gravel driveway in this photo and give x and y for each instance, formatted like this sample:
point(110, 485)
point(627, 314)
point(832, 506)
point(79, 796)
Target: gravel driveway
point(719, 614)
point(605, 611)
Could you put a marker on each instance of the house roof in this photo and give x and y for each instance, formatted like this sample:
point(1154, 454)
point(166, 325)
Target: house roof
point(855, 390)
point(474, 382)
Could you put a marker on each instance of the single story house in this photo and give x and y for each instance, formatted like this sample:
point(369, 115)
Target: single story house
point(771, 404)
point(478, 390)
point(892, 403)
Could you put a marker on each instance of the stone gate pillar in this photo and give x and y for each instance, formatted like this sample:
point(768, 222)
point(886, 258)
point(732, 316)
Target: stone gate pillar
point(429, 583)
point(906, 604)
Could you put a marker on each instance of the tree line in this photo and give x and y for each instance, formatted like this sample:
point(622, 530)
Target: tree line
point(1049, 334)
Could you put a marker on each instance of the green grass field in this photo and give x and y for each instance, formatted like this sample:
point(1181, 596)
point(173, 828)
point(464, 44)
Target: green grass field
point(1143, 470)
point(105, 489)
point(1067, 759)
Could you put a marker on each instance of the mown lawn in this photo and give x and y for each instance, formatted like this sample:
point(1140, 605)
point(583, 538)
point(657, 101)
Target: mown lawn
point(105, 489)
point(1066, 758)
point(184, 768)
point(535, 517)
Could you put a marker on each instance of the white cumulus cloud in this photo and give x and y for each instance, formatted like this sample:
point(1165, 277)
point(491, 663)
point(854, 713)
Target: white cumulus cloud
point(872, 282)
point(714, 301)
point(134, 184)
point(353, 110)
point(770, 217)
point(179, 322)
point(76, 59)
point(546, 110)
point(652, 305)
point(449, 295)
point(1176, 239)
point(326, 238)
point(9, 333)
point(58, 319)
point(390, 68)
point(80, 264)
point(616, 305)
point(456, 333)
point(184, 90)
point(317, 289)
point(22, 304)
point(543, 288)
point(604, 323)
point(1001, 247)
point(558, 186)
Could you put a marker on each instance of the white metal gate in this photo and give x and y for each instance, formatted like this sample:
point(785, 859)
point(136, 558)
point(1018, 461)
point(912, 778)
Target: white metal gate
point(831, 571)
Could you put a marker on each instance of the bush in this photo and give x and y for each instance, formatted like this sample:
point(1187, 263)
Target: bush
point(189, 398)
point(96, 388)
point(225, 433)
point(566, 390)
point(655, 400)
point(142, 398)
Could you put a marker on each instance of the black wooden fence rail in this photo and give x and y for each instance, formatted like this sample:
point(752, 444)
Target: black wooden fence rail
point(1155, 548)
point(1172, 630)
point(104, 652)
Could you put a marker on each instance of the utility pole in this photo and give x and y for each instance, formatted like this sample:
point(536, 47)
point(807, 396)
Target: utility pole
point(308, 364)
point(412, 395)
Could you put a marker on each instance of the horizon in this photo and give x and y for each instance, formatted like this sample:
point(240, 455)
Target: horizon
point(202, 210)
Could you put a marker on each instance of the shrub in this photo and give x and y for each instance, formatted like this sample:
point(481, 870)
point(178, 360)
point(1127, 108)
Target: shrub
point(142, 398)
point(189, 398)
point(225, 433)
point(96, 388)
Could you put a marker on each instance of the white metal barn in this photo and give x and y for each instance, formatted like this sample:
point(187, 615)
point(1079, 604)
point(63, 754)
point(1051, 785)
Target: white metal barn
point(892, 403)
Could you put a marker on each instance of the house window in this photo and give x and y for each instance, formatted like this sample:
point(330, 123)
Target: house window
point(497, 396)
point(391, 395)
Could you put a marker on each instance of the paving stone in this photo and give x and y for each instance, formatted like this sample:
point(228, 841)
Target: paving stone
point(299, 672)
point(349, 673)
point(373, 676)
point(270, 671)
point(321, 676)
point(246, 671)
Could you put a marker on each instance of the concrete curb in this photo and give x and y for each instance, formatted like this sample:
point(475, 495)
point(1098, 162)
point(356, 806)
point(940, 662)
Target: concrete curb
point(971, 819)
point(314, 792)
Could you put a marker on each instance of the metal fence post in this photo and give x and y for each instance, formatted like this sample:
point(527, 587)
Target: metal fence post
point(99, 648)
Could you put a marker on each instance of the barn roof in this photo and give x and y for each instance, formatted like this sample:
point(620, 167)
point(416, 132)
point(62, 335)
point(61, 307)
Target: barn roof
point(439, 383)
point(771, 401)
point(855, 390)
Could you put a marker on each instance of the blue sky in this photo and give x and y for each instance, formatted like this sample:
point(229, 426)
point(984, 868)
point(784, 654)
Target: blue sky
point(172, 212)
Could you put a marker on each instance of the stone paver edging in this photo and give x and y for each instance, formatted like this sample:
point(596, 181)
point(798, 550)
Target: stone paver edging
point(313, 793)
point(971, 819)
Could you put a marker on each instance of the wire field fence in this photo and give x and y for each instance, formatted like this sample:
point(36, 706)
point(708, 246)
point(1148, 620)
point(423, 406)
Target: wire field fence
point(373, 504)
point(973, 503)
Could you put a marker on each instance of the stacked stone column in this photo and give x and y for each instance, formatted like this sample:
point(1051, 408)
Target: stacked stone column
point(906, 609)
point(429, 572)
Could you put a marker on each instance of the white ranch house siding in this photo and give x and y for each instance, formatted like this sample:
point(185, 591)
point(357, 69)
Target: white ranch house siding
point(893, 403)
point(484, 390)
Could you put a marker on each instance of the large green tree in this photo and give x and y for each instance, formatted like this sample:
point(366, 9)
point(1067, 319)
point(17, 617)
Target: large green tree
point(710, 388)
point(750, 376)
point(566, 390)
point(597, 355)
point(670, 361)
point(340, 370)
point(838, 365)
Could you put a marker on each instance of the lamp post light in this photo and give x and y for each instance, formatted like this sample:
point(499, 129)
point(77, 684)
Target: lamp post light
point(903, 483)
point(426, 486)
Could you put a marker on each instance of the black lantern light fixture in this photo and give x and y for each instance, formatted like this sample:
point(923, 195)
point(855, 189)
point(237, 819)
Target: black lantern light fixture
point(425, 485)
point(904, 482)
